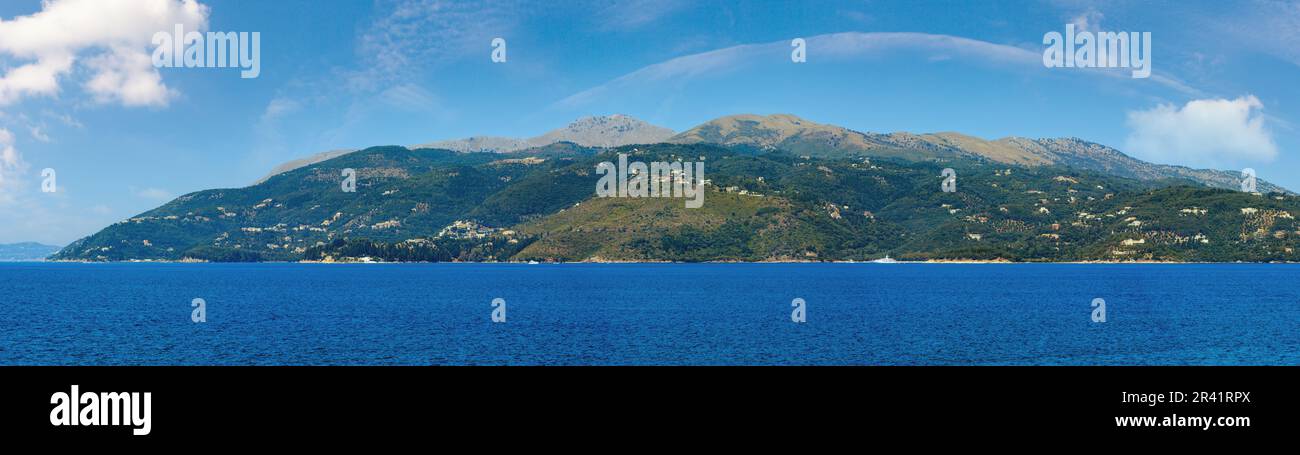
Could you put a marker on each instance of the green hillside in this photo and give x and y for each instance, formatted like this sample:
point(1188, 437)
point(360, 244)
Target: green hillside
point(540, 204)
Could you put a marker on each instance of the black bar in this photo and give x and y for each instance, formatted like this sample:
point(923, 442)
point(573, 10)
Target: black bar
point(470, 403)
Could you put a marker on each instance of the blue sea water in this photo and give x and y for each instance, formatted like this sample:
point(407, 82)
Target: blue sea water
point(857, 314)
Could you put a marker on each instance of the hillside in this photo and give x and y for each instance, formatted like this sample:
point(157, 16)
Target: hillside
point(802, 137)
point(539, 204)
point(599, 131)
point(306, 161)
point(792, 134)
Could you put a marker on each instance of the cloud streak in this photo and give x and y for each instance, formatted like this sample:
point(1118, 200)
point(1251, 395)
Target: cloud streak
point(833, 47)
point(411, 36)
point(629, 15)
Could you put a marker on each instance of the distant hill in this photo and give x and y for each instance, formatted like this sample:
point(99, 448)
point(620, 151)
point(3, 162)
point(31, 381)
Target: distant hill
point(26, 251)
point(307, 161)
point(601, 131)
point(803, 137)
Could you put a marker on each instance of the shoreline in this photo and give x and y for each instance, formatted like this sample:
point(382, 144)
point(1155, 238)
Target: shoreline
point(930, 261)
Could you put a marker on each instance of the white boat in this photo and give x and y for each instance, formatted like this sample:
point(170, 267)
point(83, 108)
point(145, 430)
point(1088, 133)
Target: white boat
point(884, 260)
point(533, 262)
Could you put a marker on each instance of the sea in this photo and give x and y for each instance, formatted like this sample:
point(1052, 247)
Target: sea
point(649, 314)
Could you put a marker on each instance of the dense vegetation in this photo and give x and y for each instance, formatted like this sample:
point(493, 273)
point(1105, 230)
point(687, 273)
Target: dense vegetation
point(539, 204)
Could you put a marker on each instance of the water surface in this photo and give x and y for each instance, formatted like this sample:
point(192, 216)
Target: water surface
point(857, 314)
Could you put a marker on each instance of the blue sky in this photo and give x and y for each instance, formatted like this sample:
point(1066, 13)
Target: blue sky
point(126, 137)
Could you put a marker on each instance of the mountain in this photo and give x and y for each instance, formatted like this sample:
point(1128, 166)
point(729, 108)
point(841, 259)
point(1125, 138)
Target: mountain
point(26, 251)
point(760, 205)
point(310, 160)
point(803, 137)
point(602, 131)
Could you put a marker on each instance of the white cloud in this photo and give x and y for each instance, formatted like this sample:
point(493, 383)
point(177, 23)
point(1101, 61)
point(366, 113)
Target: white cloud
point(1089, 20)
point(126, 75)
point(11, 167)
point(112, 37)
point(1202, 133)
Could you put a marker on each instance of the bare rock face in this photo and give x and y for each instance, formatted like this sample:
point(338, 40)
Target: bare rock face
point(304, 162)
point(803, 137)
point(601, 131)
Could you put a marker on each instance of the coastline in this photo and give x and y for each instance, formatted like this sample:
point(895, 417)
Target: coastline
point(928, 261)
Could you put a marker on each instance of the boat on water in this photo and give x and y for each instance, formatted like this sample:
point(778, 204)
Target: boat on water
point(885, 260)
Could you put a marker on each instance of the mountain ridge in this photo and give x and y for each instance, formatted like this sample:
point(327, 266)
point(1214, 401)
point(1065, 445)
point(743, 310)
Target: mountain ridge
point(800, 136)
point(781, 188)
point(594, 131)
point(795, 134)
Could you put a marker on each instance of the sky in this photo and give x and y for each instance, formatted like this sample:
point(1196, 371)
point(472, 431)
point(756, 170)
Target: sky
point(81, 95)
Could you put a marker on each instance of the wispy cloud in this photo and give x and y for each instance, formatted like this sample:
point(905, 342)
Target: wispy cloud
point(154, 194)
point(279, 107)
point(630, 15)
point(1269, 26)
point(12, 167)
point(65, 119)
point(840, 47)
point(397, 49)
point(837, 46)
point(411, 36)
point(1089, 20)
point(38, 133)
point(410, 97)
